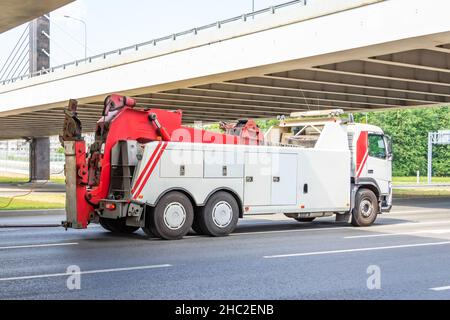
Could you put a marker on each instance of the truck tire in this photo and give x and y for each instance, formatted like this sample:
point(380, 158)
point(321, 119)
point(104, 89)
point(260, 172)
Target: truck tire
point(219, 217)
point(196, 225)
point(305, 219)
point(172, 217)
point(366, 208)
point(148, 232)
point(105, 225)
point(117, 226)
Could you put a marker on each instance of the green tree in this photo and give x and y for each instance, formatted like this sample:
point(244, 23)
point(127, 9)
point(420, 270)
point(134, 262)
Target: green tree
point(409, 131)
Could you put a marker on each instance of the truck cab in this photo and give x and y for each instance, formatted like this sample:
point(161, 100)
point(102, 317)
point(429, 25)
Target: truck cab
point(370, 149)
point(372, 157)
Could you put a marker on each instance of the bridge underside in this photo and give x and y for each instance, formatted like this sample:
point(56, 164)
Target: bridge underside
point(13, 13)
point(372, 55)
point(402, 79)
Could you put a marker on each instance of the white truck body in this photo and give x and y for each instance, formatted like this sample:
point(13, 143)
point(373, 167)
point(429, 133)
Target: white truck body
point(147, 171)
point(265, 179)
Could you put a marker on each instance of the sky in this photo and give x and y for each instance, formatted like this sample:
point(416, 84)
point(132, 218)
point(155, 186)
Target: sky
point(113, 24)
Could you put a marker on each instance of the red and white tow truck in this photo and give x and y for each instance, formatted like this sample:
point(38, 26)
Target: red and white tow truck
point(145, 170)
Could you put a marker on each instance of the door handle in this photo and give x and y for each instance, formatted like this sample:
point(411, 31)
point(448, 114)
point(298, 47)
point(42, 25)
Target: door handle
point(371, 171)
point(249, 179)
point(276, 179)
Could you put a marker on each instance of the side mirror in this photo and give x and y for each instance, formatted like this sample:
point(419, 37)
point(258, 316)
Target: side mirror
point(390, 154)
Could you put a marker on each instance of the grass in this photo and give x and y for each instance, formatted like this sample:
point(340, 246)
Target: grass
point(416, 193)
point(34, 201)
point(13, 180)
point(59, 180)
point(423, 179)
point(19, 179)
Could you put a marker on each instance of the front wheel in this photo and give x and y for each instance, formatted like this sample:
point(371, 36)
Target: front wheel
point(366, 208)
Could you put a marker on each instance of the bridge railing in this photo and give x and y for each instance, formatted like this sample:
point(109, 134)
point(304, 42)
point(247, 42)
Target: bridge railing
point(155, 42)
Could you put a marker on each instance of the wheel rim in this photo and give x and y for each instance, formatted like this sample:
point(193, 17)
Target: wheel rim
point(366, 208)
point(174, 216)
point(222, 214)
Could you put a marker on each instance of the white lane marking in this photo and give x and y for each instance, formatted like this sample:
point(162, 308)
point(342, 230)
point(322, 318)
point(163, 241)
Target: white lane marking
point(86, 272)
point(442, 210)
point(375, 227)
point(45, 245)
point(8, 229)
point(277, 231)
point(356, 250)
point(440, 288)
point(285, 231)
point(436, 231)
point(430, 223)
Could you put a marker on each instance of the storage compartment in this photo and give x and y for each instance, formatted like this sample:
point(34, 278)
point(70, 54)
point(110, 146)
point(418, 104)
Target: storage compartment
point(220, 164)
point(270, 179)
point(182, 163)
point(284, 179)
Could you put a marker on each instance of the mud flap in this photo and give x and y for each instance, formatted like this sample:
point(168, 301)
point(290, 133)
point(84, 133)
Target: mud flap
point(347, 217)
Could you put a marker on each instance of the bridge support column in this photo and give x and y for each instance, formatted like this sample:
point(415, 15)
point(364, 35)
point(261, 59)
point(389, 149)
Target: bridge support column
point(39, 44)
point(39, 159)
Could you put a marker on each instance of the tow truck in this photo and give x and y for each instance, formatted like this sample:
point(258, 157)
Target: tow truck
point(147, 171)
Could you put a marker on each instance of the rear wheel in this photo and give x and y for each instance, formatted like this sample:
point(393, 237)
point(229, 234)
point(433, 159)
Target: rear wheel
point(366, 208)
point(196, 225)
point(117, 226)
point(305, 219)
point(172, 217)
point(148, 232)
point(105, 225)
point(219, 216)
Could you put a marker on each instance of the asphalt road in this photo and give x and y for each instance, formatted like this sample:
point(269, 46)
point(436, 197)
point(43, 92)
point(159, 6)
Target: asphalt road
point(269, 257)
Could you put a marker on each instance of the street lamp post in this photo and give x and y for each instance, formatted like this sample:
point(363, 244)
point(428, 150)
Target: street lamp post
point(85, 33)
point(253, 9)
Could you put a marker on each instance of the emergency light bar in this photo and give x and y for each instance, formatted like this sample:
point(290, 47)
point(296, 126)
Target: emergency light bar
point(329, 113)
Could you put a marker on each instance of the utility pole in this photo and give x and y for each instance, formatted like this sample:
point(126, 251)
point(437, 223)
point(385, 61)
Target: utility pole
point(441, 137)
point(430, 157)
point(253, 8)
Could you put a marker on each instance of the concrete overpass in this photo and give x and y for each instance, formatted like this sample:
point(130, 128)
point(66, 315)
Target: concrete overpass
point(13, 13)
point(352, 54)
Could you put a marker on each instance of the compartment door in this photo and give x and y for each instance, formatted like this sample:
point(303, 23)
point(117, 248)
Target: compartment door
point(257, 179)
point(284, 179)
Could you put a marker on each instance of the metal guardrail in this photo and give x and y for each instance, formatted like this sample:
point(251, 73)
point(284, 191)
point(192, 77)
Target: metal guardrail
point(25, 156)
point(154, 42)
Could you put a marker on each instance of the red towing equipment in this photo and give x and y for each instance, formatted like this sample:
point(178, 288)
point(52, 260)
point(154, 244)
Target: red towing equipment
point(121, 121)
